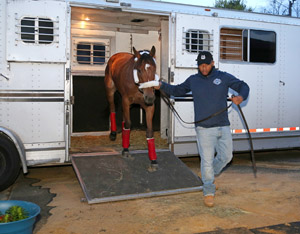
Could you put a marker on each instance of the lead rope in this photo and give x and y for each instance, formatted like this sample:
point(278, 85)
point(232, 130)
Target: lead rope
point(171, 106)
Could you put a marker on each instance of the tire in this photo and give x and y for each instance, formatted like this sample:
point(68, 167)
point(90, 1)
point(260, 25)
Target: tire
point(9, 162)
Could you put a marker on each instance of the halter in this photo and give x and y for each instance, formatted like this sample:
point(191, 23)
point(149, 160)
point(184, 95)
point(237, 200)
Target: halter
point(147, 84)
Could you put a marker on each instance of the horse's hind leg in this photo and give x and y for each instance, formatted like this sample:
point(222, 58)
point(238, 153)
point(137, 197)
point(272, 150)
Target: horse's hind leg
point(110, 91)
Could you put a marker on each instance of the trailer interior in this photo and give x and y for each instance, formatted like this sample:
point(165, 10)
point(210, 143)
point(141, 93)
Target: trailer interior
point(104, 174)
point(96, 35)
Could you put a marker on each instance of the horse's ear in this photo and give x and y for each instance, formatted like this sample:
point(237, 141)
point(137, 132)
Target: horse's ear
point(152, 52)
point(136, 53)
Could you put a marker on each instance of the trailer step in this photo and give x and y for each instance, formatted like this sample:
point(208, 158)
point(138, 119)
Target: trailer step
point(106, 178)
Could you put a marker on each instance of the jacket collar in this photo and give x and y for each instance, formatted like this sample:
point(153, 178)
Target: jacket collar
point(211, 74)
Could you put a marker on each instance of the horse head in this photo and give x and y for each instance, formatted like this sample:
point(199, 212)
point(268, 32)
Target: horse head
point(145, 73)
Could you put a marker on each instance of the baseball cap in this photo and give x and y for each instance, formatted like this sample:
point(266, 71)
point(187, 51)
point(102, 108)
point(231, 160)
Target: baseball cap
point(204, 57)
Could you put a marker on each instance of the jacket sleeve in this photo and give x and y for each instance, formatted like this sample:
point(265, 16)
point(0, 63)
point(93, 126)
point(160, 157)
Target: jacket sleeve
point(238, 85)
point(176, 90)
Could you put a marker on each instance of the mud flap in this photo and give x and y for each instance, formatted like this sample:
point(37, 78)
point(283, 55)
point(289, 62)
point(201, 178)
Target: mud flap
point(106, 178)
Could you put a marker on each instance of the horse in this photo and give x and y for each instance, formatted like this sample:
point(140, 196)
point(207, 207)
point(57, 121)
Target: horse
point(133, 76)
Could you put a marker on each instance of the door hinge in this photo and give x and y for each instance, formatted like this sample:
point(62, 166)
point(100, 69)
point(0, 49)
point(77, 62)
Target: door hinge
point(67, 73)
point(67, 118)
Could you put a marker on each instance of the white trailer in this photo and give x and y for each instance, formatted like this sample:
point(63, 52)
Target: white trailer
point(54, 50)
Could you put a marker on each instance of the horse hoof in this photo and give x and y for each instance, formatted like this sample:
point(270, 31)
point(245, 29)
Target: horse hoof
point(153, 166)
point(126, 154)
point(113, 136)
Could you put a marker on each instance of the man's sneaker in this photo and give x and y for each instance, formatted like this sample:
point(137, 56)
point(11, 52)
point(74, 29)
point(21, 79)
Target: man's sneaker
point(209, 200)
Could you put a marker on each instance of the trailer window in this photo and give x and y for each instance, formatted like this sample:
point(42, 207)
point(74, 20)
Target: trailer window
point(37, 30)
point(91, 54)
point(248, 45)
point(195, 41)
point(262, 46)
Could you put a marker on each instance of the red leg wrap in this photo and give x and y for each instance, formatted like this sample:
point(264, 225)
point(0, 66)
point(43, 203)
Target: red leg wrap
point(151, 149)
point(113, 125)
point(125, 138)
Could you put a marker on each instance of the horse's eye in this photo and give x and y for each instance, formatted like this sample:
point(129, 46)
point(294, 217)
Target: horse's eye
point(139, 70)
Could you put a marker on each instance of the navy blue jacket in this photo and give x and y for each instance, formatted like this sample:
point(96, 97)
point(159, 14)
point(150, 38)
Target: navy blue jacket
point(209, 94)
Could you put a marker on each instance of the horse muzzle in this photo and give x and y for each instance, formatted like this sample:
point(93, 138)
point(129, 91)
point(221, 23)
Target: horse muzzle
point(149, 98)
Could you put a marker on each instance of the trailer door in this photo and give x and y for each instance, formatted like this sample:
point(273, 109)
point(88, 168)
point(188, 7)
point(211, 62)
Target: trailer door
point(193, 33)
point(36, 53)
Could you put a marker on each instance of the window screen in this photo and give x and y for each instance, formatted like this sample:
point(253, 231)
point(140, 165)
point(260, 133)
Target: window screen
point(27, 30)
point(248, 45)
point(91, 53)
point(195, 41)
point(45, 31)
point(37, 30)
point(231, 44)
point(99, 54)
point(84, 54)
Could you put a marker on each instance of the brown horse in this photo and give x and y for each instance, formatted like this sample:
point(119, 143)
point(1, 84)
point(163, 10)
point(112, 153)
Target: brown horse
point(134, 76)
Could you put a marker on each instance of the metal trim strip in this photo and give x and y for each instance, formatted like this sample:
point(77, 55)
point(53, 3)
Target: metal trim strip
point(31, 91)
point(32, 100)
point(142, 195)
point(32, 95)
point(45, 149)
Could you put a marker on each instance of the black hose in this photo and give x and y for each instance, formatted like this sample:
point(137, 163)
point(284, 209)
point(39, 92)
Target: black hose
point(250, 141)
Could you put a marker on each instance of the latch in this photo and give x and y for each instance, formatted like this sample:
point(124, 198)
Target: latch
point(173, 19)
point(4, 76)
point(171, 76)
point(282, 82)
point(72, 100)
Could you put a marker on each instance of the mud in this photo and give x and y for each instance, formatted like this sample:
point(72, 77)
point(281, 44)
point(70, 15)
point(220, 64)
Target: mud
point(242, 203)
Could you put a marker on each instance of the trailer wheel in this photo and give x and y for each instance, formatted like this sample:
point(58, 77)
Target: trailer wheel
point(9, 162)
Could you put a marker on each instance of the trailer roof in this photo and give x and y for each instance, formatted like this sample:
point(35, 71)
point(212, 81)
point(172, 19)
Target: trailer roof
point(166, 8)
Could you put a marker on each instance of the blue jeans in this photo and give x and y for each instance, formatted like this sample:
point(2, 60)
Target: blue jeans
point(210, 141)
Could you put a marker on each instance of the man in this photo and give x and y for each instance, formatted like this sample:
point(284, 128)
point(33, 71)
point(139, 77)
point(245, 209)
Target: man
point(210, 89)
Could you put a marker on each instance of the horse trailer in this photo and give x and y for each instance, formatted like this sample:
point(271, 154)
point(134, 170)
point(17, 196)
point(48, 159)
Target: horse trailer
point(53, 52)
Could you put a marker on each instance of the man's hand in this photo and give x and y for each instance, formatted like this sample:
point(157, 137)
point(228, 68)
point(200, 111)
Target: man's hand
point(157, 87)
point(237, 100)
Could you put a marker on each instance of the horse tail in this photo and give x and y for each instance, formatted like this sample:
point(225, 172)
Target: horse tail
point(110, 91)
point(107, 69)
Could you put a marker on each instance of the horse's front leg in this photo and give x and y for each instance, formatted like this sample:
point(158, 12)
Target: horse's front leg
point(149, 134)
point(126, 124)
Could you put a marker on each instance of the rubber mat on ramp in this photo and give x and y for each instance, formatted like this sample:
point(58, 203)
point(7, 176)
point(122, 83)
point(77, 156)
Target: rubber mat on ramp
point(106, 178)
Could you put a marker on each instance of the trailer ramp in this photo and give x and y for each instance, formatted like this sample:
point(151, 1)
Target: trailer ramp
point(111, 177)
